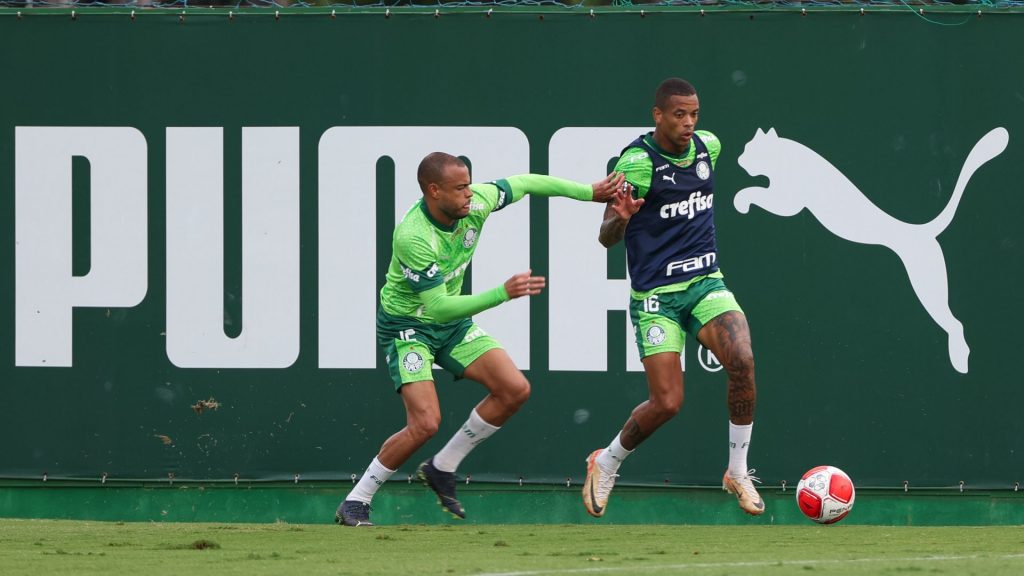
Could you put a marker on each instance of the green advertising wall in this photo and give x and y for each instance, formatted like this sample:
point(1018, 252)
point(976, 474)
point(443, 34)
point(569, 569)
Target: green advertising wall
point(853, 369)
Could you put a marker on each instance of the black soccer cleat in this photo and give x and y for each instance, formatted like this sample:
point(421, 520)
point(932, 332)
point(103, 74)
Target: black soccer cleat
point(353, 513)
point(443, 484)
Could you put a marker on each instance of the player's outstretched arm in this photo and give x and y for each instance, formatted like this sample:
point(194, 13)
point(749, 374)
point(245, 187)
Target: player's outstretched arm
point(617, 213)
point(540, 185)
point(445, 308)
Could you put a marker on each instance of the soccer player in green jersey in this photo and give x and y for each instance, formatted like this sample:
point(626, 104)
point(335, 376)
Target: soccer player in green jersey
point(424, 319)
point(676, 288)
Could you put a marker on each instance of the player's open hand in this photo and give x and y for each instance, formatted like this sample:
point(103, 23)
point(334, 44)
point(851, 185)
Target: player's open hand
point(524, 284)
point(623, 203)
point(605, 189)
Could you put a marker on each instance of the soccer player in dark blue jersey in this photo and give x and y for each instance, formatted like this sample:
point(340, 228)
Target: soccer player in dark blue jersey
point(666, 219)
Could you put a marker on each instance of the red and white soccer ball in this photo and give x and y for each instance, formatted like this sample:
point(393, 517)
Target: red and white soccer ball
point(825, 494)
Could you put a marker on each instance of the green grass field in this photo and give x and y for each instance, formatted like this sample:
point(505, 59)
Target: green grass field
point(75, 547)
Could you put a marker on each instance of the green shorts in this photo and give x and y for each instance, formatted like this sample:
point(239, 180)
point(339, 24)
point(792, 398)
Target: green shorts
point(659, 320)
point(412, 347)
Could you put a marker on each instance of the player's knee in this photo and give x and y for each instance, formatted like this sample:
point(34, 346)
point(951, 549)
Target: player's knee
point(517, 392)
point(667, 406)
point(740, 365)
point(425, 427)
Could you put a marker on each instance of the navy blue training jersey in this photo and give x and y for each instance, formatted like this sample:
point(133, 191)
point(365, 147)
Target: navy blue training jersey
point(671, 238)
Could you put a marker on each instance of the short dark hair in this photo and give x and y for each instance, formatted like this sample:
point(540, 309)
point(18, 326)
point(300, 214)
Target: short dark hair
point(432, 167)
point(672, 87)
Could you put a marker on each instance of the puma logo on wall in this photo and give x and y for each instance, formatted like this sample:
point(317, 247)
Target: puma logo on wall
point(800, 178)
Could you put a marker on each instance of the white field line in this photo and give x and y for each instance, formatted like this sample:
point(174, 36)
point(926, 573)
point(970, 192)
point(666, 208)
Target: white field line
point(765, 563)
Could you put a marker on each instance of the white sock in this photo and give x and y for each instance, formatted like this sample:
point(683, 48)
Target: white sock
point(611, 457)
point(739, 441)
point(372, 479)
point(473, 432)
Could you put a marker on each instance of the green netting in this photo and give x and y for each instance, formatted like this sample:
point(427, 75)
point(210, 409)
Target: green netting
point(917, 5)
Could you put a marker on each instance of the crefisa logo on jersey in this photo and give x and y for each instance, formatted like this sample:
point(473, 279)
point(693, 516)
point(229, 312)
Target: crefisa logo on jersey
point(469, 238)
point(408, 273)
point(655, 335)
point(412, 362)
point(703, 170)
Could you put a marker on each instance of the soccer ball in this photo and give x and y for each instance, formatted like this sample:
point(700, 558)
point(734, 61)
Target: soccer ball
point(825, 494)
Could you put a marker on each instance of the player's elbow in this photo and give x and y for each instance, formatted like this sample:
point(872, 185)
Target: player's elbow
point(607, 240)
point(609, 235)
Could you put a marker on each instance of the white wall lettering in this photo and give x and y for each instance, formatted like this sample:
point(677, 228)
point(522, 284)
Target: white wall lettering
point(46, 291)
point(270, 249)
point(579, 288)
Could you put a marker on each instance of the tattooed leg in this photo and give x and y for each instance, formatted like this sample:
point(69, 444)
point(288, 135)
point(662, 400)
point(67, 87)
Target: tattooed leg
point(728, 338)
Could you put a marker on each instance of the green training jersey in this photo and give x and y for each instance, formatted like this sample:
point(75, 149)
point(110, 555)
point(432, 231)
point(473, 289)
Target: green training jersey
point(636, 164)
point(427, 255)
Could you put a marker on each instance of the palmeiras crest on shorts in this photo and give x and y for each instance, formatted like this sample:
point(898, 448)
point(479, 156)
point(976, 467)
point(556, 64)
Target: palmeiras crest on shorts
point(412, 362)
point(703, 170)
point(655, 335)
point(469, 238)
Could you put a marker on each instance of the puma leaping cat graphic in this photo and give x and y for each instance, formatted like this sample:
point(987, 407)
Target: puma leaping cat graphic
point(800, 178)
